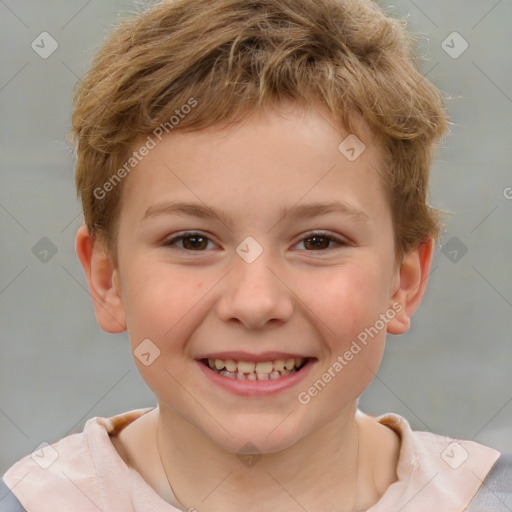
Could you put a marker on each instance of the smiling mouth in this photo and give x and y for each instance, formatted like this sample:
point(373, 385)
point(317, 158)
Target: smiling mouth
point(250, 370)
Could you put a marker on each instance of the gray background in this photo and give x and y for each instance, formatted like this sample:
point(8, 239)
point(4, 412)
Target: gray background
point(450, 374)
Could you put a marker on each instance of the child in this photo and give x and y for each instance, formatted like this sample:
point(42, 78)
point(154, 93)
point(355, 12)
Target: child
point(254, 180)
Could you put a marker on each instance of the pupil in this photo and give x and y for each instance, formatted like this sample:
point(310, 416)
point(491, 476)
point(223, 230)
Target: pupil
point(194, 241)
point(319, 241)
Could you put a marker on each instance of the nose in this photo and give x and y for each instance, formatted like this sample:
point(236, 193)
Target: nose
point(254, 294)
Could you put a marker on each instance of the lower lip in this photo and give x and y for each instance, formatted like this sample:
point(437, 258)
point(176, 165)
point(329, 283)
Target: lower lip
point(256, 387)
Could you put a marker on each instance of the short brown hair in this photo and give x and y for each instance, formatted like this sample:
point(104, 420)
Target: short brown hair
point(232, 57)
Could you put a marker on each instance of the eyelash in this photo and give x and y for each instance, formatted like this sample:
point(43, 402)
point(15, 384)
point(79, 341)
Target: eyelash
point(192, 234)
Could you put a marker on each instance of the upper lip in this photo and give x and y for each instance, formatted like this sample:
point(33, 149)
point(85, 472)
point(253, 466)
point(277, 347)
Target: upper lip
point(247, 356)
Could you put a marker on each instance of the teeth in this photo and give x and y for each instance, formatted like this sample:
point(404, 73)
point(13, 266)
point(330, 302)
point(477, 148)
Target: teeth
point(289, 364)
point(279, 365)
point(264, 367)
point(246, 367)
point(230, 366)
point(263, 370)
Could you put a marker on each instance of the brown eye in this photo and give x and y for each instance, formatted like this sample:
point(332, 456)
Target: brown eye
point(189, 242)
point(194, 242)
point(319, 242)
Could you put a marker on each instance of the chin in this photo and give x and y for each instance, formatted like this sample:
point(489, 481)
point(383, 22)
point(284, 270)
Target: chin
point(258, 439)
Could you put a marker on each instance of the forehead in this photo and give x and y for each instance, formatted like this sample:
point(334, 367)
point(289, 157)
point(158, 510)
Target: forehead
point(272, 160)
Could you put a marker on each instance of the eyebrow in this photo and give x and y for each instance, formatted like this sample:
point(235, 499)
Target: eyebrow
point(299, 211)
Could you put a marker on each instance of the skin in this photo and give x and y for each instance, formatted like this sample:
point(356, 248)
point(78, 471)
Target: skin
point(294, 298)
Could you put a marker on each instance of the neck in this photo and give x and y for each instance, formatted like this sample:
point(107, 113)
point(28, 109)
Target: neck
point(321, 471)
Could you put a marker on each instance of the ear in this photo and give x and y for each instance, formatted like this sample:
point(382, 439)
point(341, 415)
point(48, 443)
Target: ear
point(410, 285)
point(103, 280)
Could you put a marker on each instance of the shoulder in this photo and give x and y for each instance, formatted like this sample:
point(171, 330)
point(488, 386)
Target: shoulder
point(82, 469)
point(434, 469)
point(54, 471)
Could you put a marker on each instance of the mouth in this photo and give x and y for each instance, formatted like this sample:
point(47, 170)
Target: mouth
point(273, 369)
point(255, 375)
point(256, 371)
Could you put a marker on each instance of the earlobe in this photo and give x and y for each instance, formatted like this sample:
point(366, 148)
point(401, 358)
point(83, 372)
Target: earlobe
point(102, 279)
point(411, 285)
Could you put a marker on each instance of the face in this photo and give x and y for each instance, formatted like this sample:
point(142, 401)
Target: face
point(227, 252)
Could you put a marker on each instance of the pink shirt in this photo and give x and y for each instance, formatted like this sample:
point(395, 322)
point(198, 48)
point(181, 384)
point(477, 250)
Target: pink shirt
point(84, 472)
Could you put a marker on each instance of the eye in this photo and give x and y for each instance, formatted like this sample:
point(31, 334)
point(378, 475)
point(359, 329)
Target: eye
point(195, 241)
point(319, 241)
point(192, 241)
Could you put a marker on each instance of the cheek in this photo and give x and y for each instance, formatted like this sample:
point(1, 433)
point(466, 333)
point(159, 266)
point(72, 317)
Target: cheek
point(156, 298)
point(349, 303)
point(360, 297)
point(349, 306)
point(347, 299)
point(163, 305)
